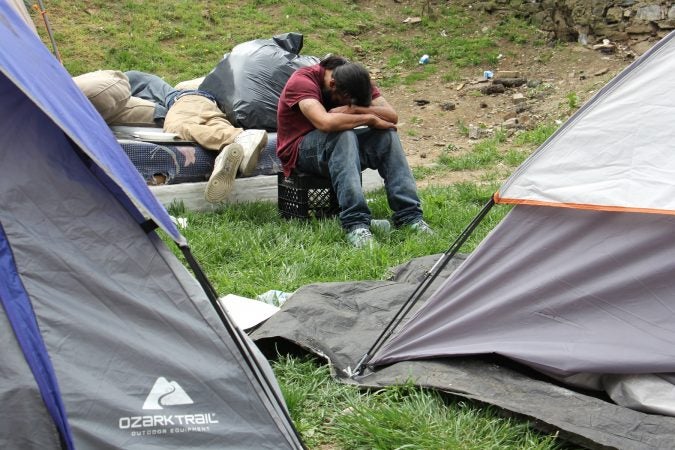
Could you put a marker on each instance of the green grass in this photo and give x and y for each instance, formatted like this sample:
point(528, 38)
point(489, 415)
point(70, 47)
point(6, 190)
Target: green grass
point(484, 154)
point(249, 249)
point(336, 415)
point(184, 39)
point(536, 136)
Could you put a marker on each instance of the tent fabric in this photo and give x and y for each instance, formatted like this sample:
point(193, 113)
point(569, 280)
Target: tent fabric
point(559, 289)
point(20, 8)
point(578, 289)
point(22, 403)
point(108, 341)
point(643, 392)
point(21, 318)
point(340, 321)
point(140, 324)
point(615, 153)
point(27, 64)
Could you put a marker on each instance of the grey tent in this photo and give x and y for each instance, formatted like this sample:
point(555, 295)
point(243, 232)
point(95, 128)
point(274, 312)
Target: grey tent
point(579, 278)
point(107, 340)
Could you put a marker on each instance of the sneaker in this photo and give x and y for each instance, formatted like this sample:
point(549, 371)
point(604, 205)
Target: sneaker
point(224, 172)
point(253, 141)
point(382, 225)
point(421, 227)
point(360, 237)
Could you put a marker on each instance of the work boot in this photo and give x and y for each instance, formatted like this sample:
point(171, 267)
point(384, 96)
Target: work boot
point(252, 141)
point(224, 172)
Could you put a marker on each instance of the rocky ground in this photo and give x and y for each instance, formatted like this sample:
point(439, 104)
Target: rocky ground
point(435, 114)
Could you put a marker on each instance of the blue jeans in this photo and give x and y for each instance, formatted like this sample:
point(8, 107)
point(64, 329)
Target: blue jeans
point(342, 156)
point(153, 88)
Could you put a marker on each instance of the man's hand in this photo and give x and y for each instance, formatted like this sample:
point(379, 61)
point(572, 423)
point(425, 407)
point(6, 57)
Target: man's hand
point(381, 124)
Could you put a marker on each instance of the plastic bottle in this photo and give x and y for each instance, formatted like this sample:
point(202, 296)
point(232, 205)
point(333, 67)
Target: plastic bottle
point(274, 297)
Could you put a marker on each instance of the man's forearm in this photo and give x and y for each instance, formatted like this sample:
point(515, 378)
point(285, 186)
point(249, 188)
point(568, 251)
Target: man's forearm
point(383, 112)
point(346, 121)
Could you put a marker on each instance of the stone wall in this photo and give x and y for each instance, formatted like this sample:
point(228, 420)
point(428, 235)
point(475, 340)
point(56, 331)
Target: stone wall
point(591, 21)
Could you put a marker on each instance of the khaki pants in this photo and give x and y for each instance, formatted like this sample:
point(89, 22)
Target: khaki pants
point(196, 118)
point(136, 111)
point(110, 93)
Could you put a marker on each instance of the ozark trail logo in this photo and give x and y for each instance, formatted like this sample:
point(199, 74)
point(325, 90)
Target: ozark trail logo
point(166, 393)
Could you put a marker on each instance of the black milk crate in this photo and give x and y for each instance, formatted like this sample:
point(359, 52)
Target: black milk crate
point(303, 196)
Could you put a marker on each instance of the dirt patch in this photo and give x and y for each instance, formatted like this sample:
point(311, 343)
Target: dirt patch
point(434, 115)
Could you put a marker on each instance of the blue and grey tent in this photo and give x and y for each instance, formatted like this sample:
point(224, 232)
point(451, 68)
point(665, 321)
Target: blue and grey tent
point(107, 340)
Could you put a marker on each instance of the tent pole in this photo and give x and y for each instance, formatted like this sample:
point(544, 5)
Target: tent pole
point(238, 339)
point(40, 7)
point(421, 288)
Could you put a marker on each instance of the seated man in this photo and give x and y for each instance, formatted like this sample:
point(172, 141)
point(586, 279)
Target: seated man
point(333, 122)
point(138, 98)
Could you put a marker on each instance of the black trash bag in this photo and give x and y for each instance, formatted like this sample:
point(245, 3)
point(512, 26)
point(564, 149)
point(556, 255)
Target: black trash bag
point(248, 81)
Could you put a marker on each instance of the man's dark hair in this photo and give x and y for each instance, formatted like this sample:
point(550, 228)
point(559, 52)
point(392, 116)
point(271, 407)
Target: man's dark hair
point(351, 79)
point(330, 62)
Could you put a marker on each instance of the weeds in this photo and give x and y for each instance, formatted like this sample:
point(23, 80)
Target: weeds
point(572, 101)
point(515, 30)
point(451, 75)
point(536, 136)
point(462, 129)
